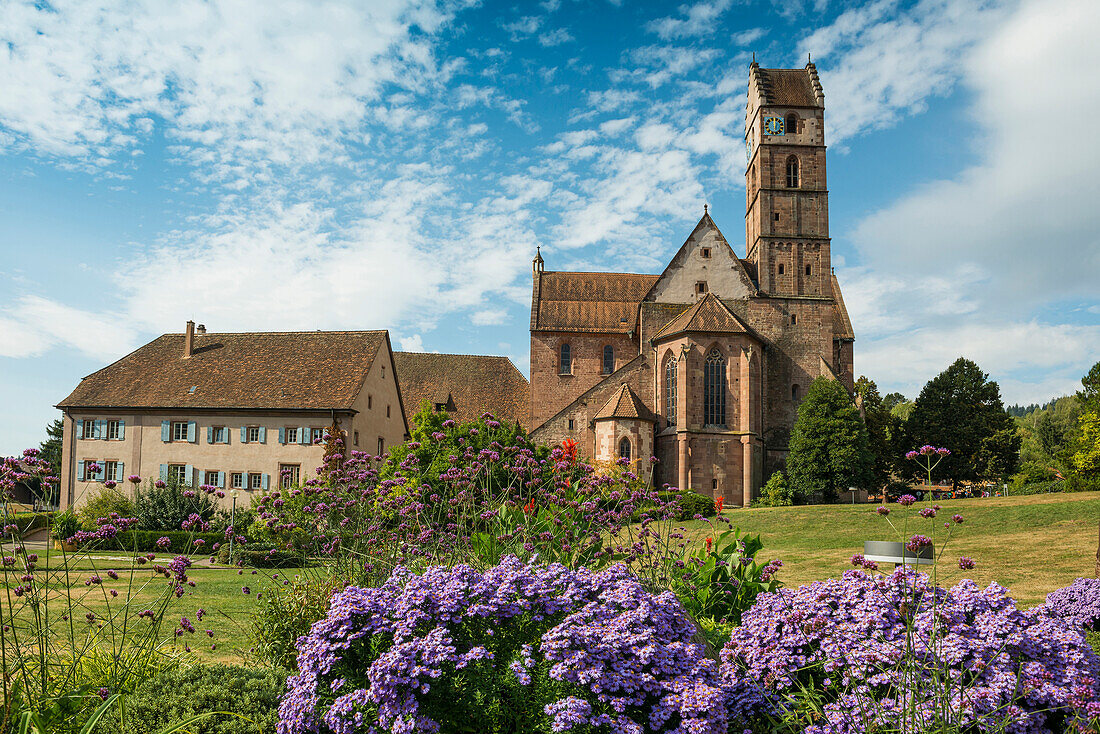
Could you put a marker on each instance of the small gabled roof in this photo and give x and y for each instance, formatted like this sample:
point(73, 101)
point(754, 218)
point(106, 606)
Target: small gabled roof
point(310, 370)
point(625, 403)
point(842, 325)
point(708, 315)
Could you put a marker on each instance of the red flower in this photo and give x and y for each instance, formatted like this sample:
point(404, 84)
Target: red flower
point(530, 506)
point(569, 448)
point(719, 502)
point(710, 542)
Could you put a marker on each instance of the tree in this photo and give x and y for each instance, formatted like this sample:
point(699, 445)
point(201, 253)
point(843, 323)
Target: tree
point(1090, 389)
point(877, 418)
point(1086, 459)
point(829, 449)
point(50, 449)
point(892, 399)
point(999, 454)
point(960, 409)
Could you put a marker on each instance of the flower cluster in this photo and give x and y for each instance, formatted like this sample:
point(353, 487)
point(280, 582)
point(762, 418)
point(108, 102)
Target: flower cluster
point(575, 648)
point(880, 650)
point(1078, 603)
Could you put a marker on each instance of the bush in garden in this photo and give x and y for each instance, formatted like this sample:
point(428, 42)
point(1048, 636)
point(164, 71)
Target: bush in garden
point(65, 525)
point(179, 693)
point(775, 493)
point(1078, 604)
point(531, 648)
point(167, 505)
point(103, 502)
point(896, 653)
point(285, 613)
point(260, 556)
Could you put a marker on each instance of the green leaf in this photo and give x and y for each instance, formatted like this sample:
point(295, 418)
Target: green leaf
point(197, 718)
point(99, 713)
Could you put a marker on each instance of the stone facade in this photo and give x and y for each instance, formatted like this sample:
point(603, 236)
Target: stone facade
point(720, 349)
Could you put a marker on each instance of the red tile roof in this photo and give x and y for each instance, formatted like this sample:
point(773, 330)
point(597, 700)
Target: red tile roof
point(469, 384)
point(589, 302)
point(788, 87)
point(311, 370)
point(708, 315)
point(625, 403)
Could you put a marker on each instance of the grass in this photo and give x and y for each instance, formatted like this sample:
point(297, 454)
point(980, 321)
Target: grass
point(1032, 545)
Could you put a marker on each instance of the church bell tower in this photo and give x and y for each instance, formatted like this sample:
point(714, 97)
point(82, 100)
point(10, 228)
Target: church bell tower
point(787, 200)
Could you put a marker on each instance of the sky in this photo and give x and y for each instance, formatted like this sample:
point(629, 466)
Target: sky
point(297, 165)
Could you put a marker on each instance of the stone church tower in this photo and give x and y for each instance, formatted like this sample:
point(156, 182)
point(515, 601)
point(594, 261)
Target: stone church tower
point(703, 365)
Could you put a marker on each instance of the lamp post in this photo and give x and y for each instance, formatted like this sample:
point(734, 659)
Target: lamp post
point(234, 493)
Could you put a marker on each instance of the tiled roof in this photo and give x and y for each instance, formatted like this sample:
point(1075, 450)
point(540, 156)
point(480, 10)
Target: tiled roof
point(312, 370)
point(474, 384)
point(625, 403)
point(708, 315)
point(590, 302)
point(787, 87)
point(842, 325)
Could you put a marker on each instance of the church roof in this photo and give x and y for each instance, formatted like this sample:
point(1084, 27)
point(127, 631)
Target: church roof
point(589, 302)
point(788, 87)
point(467, 384)
point(625, 403)
point(842, 325)
point(708, 315)
point(308, 370)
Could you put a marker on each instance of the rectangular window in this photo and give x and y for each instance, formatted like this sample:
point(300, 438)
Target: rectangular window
point(220, 434)
point(387, 411)
point(776, 216)
point(253, 434)
point(381, 445)
point(571, 424)
point(357, 438)
point(370, 402)
point(705, 253)
point(110, 471)
point(113, 431)
point(289, 475)
point(807, 270)
point(292, 435)
point(236, 480)
point(87, 428)
point(780, 268)
point(179, 430)
point(701, 287)
point(316, 435)
point(211, 479)
point(255, 481)
point(177, 473)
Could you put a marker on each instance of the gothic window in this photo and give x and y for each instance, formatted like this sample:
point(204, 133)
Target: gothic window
point(714, 389)
point(792, 124)
point(792, 172)
point(780, 268)
point(624, 449)
point(608, 359)
point(670, 391)
point(566, 362)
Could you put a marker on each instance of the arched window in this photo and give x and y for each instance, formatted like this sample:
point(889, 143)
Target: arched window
point(624, 449)
point(794, 392)
point(670, 391)
point(714, 389)
point(608, 359)
point(566, 364)
point(792, 172)
point(792, 124)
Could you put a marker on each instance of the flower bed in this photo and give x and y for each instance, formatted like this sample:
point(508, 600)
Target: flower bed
point(1078, 604)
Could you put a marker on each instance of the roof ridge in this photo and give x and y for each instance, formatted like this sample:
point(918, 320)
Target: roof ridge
point(255, 333)
point(457, 354)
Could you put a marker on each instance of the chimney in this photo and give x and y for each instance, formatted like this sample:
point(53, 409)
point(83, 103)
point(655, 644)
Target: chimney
point(201, 329)
point(189, 340)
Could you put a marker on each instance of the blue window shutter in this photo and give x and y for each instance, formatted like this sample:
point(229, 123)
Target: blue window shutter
point(80, 471)
point(165, 431)
point(263, 435)
point(122, 430)
point(100, 429)
point(80, 428)
point(120, 472)
point(210, 434)
point(192, 434)
point(282, 435)
point(188, 475)
point(244, 434)
point(264, 484)
point(102, 468)
point(164, 471)
point(221, 480)
point(303, 435)
point(225, 435)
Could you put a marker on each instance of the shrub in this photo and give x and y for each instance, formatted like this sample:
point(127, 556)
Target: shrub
point(242, 519)
point(1078, 604)
point(179, 693)
point(517, 648)
point(28, 522)
point(776, 493)
point(1032, 472)
point(1079, 483)
point(170, 506)
point(285, 613)
point(102, 503)
point(897, 653)
point(261, 556)
point(65, 525)
point(688, 505)
point(146, 540)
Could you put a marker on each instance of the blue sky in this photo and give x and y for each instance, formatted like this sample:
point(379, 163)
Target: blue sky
point(278, 165)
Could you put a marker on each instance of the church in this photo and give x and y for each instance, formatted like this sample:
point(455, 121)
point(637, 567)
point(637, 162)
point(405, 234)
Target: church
point(703, 366)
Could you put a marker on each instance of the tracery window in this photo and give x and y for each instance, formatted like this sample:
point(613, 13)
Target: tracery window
point(624, 449)
point(670, 391)
point(792, 172)
point(608, 359)
point(714, 389)
point(566, 360)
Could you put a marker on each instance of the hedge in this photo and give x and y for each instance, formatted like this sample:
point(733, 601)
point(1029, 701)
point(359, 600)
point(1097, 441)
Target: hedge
point(28, 522)
point(146, 540)
point(256, 556)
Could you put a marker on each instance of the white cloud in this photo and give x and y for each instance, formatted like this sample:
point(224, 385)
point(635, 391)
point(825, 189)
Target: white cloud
point(556, 37)
point(36, 324)
point(744, 38)
point(412, 343)
point(489, 317)
point(696, 20)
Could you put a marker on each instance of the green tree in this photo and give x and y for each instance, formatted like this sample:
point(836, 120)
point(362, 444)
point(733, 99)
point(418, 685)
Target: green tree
point(960, 409)
point(892, 399)
point(878, 420)
point(829, 449)
point(999, 454)
point(50, 449)
point(1090, 389)
point(1086, 459)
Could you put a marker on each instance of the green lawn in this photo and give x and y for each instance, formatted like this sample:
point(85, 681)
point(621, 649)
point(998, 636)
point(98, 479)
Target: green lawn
point(1032, 544)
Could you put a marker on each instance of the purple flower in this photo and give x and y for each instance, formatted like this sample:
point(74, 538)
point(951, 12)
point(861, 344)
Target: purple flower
point(134, 479)
point(163, 542)
point(160, 484)
point(928, 512)
point(883, 511)
point(1078, 603)
point(966, 563)
point(916, 542)
point(957, 519)
point(907, 500)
